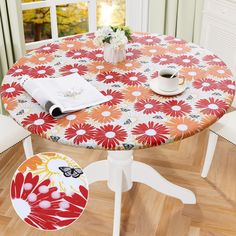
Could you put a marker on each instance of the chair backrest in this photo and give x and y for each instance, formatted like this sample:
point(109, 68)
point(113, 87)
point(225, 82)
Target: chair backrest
point(10, 133)
point(234, 103)
point(219, 37)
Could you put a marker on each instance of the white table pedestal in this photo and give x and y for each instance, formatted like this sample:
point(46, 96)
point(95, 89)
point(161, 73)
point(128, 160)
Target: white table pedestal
point(120, 171)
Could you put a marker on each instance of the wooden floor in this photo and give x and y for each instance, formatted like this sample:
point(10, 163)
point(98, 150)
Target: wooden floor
point(144, 211)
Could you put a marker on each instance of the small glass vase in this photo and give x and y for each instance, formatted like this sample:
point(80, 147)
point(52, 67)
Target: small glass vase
point(114, 55)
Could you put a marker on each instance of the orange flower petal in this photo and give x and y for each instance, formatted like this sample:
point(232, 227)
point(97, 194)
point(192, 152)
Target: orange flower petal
point(31, 163)
point(105, 114)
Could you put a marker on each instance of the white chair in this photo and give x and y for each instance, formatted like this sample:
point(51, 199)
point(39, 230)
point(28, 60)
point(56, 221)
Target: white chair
point(226, 128)
point(11, 133)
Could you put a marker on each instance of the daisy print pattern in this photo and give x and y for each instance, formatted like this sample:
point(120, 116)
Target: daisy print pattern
point(20, 70)
point(40, 58)
point(11, 90)
point(77, 54)
point(176, 108)
point(39, 123)
point(163, 59)
point(148, 40)
point(9, 103)
point(128, 65)
point(227, 86)
point(182, 127)
point(213, 60)
point(186, 61)
point(105, 114)
point(151, 134)
point(73, 118)
point(71, 69)
point(48, 49)
point(99, 66)
point(134, 93)
point(212, 106)
point(80, 133)
point(153, 50)
point(192, 73)
point(133, 78)
point(178, 48)
point(109, 136)
point(43, 197)
point(96, 55)
point(132, 54)
point(205, 84)
point(115, 97)
point(219, 71)
point(109, 77)
point(41, 71)
point(148, 106)
point(173, 40)
point(134, 114)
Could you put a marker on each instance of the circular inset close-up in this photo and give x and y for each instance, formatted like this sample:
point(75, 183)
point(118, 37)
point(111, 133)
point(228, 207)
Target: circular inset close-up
point(49, 191)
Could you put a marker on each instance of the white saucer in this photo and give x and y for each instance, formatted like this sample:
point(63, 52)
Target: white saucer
point(154, 87)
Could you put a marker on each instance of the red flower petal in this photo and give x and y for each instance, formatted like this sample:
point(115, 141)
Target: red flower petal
point(151, 134)
point(132, 54)
point(11, 90)
point(115, 97)
point(109, 77)
point(212, 106)
point(41, 71)
point(109, 136)
point(176, 108)
point(84, 191)
point(71, 69)
point(186, 61)
point(48, 48)
point(148, 106)
point(205, 84)
point(133, 78)
point(80, 133)
point(38, 124)
point(76, 199)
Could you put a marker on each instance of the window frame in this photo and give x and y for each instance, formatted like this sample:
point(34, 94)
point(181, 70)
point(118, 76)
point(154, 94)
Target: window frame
point(134, 8)
point(52, 4)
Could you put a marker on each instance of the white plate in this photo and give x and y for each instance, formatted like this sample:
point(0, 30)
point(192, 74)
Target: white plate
point(154, 86)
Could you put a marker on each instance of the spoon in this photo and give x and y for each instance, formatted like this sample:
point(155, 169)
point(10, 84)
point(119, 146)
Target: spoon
point(174, 74)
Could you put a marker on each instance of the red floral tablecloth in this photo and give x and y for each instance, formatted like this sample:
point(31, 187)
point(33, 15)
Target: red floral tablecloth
point(135, 117)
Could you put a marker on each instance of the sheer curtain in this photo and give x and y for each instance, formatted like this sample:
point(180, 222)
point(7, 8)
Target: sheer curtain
point(180, 18)
point(11, 35)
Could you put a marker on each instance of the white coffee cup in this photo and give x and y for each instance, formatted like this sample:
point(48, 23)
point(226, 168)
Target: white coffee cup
point(167, 82)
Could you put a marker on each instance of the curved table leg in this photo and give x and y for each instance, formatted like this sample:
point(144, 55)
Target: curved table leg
point(97, 171)
point(143, 173)
point(28, 148)
point(120, 171)
point(117, 207)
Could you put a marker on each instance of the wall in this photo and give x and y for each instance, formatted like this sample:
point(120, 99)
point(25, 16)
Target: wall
point(181, 18)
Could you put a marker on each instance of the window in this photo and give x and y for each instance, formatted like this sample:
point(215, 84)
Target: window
point(46, 20)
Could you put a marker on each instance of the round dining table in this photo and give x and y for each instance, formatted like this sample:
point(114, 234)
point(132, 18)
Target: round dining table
point(135, 117)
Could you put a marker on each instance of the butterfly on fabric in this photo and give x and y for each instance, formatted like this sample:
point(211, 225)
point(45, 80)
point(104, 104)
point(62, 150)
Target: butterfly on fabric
point(22, 101)
point(71, 172)
point(124, 110)
point(54, 138)
point(128, 122)
point(128, 146)
point(157, 117)
point(20, 112)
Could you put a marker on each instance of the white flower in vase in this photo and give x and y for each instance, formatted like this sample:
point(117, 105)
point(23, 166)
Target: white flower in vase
point(114, 40)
